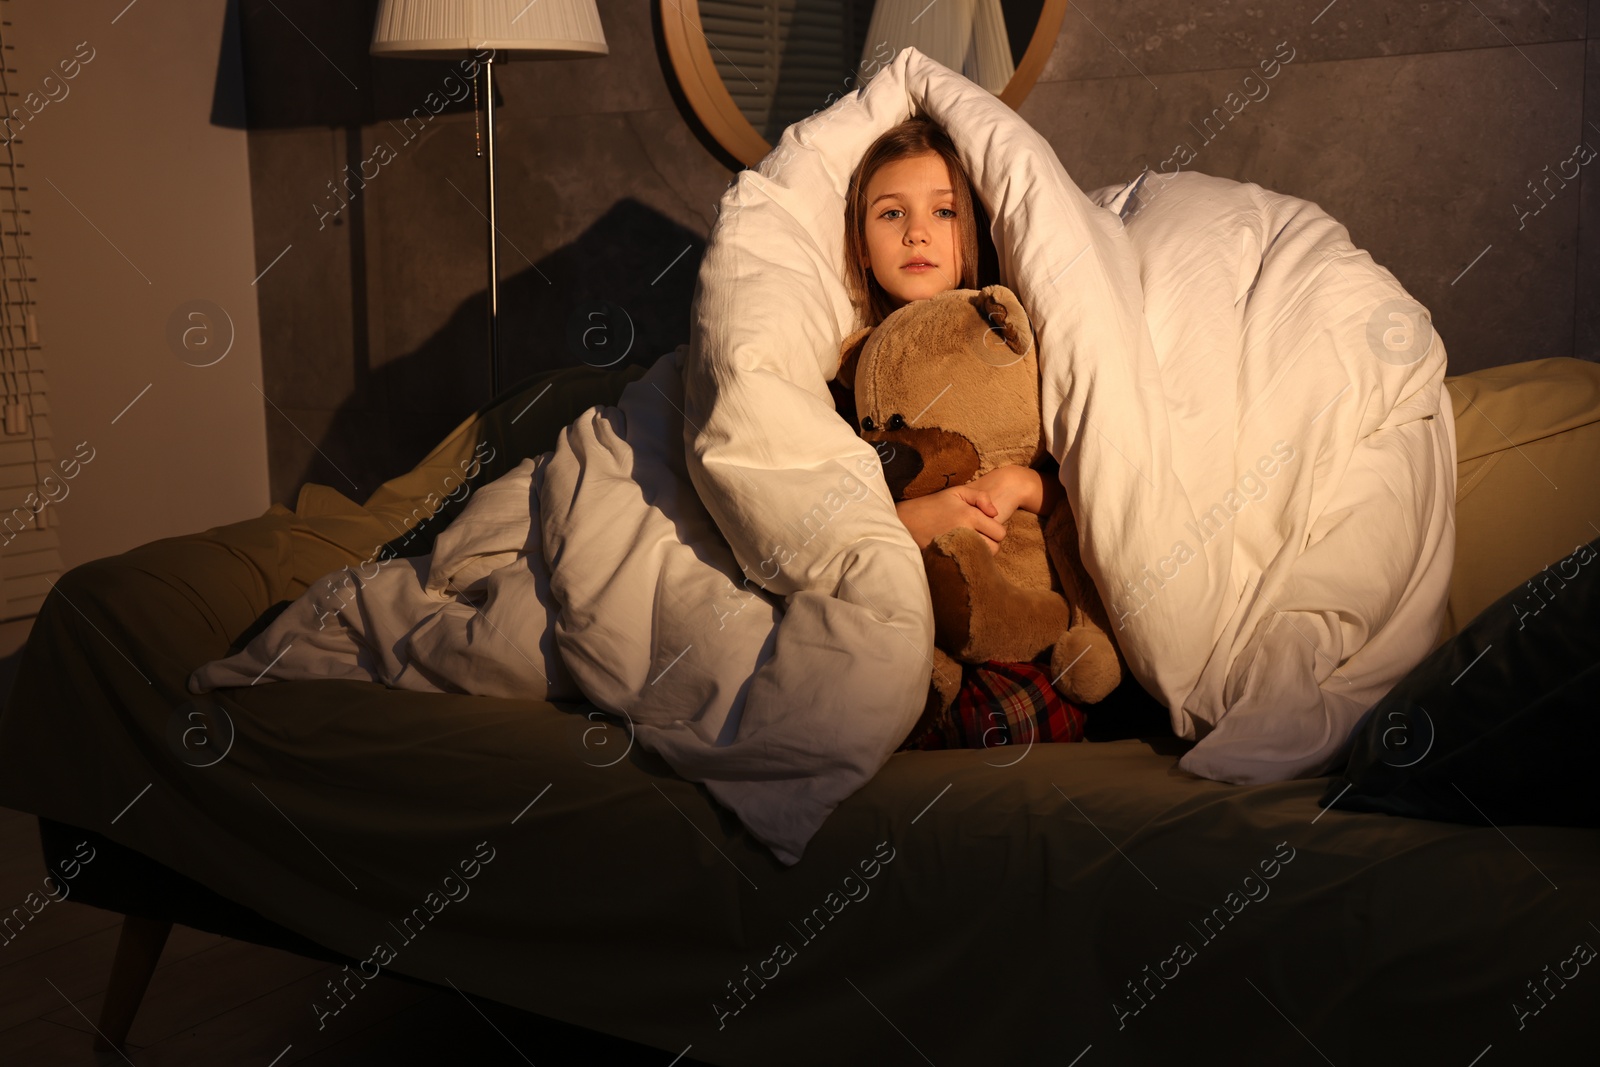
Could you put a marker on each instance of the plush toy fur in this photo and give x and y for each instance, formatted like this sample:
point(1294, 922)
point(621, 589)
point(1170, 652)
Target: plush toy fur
point(948, 389)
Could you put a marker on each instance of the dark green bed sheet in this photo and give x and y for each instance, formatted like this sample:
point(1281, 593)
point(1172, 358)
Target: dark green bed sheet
point(970, 907)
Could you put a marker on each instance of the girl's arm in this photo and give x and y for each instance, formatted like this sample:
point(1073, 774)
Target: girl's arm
point(926, 517)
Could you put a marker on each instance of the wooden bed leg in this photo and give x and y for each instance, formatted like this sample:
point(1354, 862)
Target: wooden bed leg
point(138, 951)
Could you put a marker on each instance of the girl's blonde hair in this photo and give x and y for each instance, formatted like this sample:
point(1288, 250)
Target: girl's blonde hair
point(914, 137)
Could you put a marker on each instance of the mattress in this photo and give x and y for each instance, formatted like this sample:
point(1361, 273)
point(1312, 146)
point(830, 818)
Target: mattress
point(1027, 905)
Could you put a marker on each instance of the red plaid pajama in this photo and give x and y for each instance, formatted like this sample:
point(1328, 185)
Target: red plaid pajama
point(1000, 704)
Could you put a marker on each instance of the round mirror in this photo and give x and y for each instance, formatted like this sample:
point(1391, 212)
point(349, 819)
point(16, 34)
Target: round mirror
point(750, 68)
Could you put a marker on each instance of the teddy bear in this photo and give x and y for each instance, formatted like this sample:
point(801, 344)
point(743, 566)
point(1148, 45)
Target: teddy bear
point(947, 389)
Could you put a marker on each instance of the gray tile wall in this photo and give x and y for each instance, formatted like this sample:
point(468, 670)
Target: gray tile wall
point(1436, 132)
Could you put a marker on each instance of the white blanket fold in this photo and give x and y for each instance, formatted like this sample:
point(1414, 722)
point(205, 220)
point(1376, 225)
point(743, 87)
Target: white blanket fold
point(1247, 410)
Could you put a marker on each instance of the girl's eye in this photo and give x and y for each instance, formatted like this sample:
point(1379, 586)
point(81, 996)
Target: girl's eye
point(896, 422)
point(868, 425)
point(888, 212)
point(951, 210)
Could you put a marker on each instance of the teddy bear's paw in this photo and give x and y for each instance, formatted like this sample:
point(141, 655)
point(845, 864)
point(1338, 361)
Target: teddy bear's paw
point(979, 613)
point(946, 681)
point(1085, 666)
point(949, 587)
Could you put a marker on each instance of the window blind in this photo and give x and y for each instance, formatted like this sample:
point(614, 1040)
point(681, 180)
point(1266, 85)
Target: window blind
point(30, 547)
point(783, 59)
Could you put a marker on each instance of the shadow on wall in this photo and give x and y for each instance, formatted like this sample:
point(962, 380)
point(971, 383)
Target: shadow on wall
point(593, 302)
point(618, 294)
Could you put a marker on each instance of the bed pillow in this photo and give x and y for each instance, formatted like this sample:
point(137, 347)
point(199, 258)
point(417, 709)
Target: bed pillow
point(1498, 724)
point(521, 421)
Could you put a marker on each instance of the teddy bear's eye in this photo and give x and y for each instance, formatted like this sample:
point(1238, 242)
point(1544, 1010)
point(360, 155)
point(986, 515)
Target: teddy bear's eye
point(896, 422)
point(868, 425)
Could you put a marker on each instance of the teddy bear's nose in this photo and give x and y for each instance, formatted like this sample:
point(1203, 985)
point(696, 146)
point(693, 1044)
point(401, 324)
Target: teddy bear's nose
point(901, 467)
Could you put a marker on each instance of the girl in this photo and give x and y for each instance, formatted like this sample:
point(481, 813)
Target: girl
point(911, 231)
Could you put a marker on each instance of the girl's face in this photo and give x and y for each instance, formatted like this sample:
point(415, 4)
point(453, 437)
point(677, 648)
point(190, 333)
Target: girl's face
point(913, 248)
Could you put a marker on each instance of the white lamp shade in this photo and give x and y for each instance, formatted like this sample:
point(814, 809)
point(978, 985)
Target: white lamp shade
point(526, 29)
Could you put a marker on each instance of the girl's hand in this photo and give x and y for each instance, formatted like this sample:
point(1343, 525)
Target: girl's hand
point(1017, 488)
point(926, 517)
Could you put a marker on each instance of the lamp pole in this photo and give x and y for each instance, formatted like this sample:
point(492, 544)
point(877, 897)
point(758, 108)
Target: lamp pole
point(494, 266)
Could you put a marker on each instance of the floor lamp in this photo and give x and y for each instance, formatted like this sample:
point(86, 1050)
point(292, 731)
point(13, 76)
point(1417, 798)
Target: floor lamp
point(509, 29)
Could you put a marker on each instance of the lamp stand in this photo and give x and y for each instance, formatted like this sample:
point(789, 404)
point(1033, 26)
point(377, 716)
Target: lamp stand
point(494, 267)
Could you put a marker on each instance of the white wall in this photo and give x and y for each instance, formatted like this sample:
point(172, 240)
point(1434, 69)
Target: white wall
point(159, 216)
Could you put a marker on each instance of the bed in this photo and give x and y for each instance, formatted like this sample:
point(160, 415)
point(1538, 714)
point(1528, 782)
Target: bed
point(1246, 410)
point(983, 906)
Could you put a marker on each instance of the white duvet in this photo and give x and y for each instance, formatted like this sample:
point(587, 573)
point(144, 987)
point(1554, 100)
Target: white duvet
point(1248, 412)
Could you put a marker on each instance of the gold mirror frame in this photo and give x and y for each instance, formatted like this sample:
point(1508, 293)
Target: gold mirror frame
point(702, 85)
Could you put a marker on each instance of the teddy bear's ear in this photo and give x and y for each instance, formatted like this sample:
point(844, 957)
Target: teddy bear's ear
point(1003, 312)
point(850, 357)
